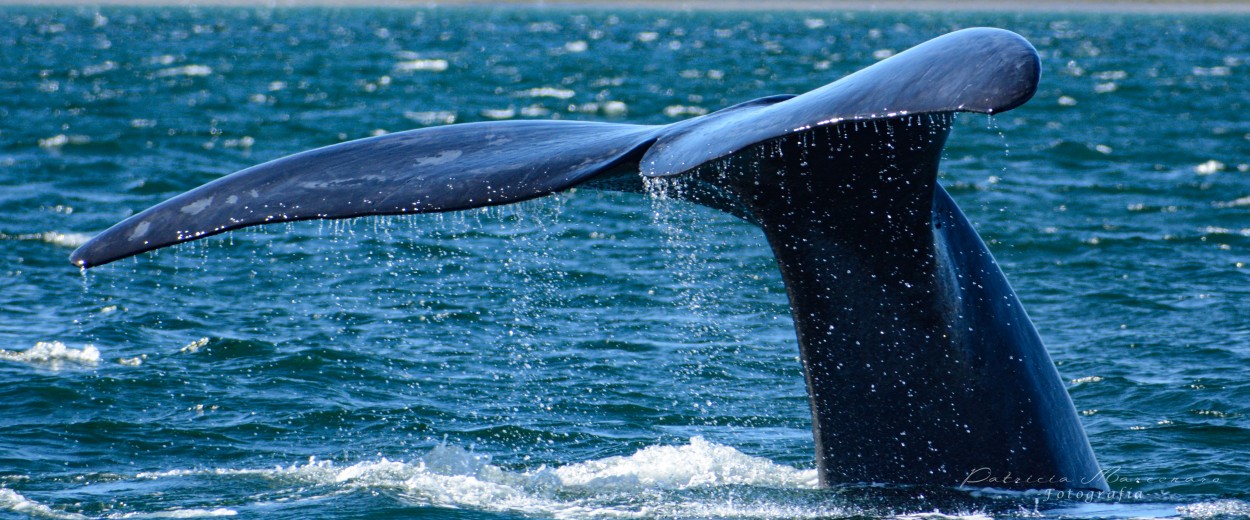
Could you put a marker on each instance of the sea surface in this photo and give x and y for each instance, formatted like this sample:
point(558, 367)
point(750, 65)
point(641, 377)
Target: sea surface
point(592, 354)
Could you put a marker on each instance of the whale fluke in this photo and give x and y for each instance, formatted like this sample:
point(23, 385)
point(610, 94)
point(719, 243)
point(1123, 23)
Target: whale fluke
point(471, 165)
point(921, 364)
point(974, 70)
point(436, 169)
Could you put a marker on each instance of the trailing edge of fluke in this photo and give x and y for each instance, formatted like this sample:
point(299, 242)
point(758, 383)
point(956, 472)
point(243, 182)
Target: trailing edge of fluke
point(921, 365)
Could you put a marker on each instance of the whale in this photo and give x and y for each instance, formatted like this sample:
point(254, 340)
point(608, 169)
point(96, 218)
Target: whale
point(922, 367)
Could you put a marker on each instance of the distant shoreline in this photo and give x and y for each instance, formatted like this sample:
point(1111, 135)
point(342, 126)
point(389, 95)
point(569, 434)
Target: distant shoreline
point(1091, 6)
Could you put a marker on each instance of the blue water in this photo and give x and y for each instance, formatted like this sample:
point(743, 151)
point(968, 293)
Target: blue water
point(592, 354)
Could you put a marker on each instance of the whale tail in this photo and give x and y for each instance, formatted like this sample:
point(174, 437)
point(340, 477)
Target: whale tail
point(921, 365)
point(436, 169)
point(471, 165)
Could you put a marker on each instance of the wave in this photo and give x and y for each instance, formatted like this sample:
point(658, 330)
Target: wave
point(53, 354)
point(14, 502)
point(700, 479)
point(181, 513)
point(654, 482)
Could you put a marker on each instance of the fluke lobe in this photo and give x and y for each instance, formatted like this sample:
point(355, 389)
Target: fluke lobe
point(922, 367)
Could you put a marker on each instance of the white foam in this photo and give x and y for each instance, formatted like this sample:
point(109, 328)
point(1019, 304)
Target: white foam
point(618, 487)
point(615, 108)
point(57, 141)
point(1209, 167)
point(181, 513)
point(441, 117)
point(699, 479)
point(938, 515)
point(551, 92)
point(53, 354)
point(425, 65)
point(1218, 508)
point(1238, 203)
point(194, 346)
point(499, 113)
point(64, 239)
point(51, 237)
point(14, 502)
point(185, 70)
point(699, 463)
point(684, 111)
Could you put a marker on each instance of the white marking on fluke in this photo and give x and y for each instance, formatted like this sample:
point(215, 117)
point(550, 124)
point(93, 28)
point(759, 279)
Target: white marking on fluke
point(195, 208)
point(443, 157)
point(140, 230)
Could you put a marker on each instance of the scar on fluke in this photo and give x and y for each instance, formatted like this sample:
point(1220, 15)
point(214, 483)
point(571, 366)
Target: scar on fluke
point(921, 364)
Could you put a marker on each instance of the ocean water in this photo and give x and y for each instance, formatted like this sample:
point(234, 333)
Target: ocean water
point(591, 354)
